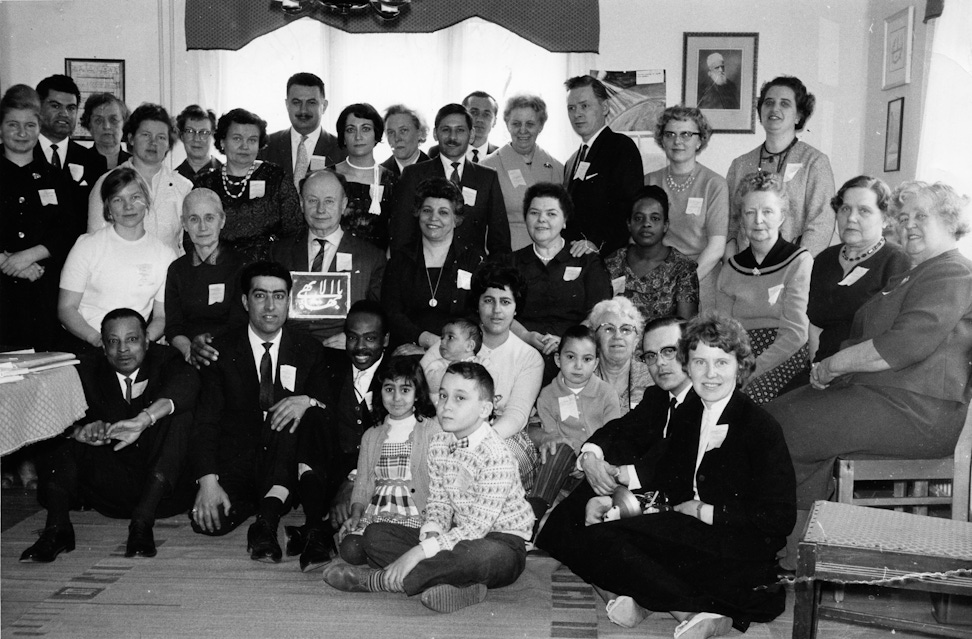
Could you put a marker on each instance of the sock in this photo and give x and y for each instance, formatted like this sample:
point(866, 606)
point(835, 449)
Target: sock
point(58, 506)
point(269, 510)
point(311, 489)
point(376, 582)
point(155, 489)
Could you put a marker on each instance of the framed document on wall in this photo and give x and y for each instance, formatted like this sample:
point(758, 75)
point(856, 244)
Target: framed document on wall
point(892, 141)
point(95, 76)
point(719, 77)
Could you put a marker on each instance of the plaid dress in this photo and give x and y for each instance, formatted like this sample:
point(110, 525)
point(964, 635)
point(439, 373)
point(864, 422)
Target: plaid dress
point(392, 500)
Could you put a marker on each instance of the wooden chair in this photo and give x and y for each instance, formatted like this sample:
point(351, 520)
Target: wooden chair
point(913, 476)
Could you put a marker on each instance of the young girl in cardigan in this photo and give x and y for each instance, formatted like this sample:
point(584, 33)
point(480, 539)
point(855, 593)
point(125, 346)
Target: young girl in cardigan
point(392, 479)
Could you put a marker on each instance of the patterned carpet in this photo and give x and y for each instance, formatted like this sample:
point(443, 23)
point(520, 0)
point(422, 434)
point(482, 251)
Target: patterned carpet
point(208, 587)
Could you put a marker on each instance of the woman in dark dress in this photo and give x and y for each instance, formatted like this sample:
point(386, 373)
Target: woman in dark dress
point(428, 282)
point(845, 276)
point(261, 204)
point(370, 185)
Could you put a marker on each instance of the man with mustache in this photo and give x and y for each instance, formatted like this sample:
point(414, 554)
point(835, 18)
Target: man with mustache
point(305, 145)
point(60, 97)
point(719, 91)
point(326, 459)
point(484, 211)
point(265, 382)
point(483, 108)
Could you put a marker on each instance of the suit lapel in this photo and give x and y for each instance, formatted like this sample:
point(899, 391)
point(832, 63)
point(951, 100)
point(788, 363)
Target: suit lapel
point(246, 367)
point(299, 252)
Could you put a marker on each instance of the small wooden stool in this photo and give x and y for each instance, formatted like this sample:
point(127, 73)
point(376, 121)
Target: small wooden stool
point(853, 544)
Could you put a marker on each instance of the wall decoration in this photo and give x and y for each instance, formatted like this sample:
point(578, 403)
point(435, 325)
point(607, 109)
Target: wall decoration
point(898, 34)
point(95, 76)
point(719, 77)
point(892, 140)
point(317, 295)
point(636, 99)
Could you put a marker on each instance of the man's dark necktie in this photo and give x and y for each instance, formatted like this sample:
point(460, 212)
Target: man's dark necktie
point(475, 156)
point(128, 390)
point(455, 174)
point(55, 158)
point(318, 264)
point(671, 413)
point(266, 379)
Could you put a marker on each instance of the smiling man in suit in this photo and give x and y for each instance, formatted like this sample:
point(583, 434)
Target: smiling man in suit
point(484, 212)
point(266, 381)
point(604, 174)
point(324, 246)
point(60, 97)
point(124, 458)
point(484, 109)
point(294, 148)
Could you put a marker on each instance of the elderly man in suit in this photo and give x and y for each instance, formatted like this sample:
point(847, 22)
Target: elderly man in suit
point(325, 246)
point(328, 460)
point(124, 458)
point(266, 381)
point(484, 212)
point(484, 109)
point(296, 149)
point(405, 129)
point(604, 174)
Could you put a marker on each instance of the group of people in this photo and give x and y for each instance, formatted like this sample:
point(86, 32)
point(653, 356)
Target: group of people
point(519, 330)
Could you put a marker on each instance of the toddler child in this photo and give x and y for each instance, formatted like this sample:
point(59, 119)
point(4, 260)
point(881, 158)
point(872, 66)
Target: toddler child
point(461, 341)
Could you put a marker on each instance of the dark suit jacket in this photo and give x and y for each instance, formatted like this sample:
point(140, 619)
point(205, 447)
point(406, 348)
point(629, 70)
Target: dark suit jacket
point(168, 376)
point(484, 223)
point(603, 199)
point(749, 479)
point(279, 151)
point(367, 268)
point(353, 419)
point(229, 420)
point(434, 151)
point(392, 165)
point(76, 154)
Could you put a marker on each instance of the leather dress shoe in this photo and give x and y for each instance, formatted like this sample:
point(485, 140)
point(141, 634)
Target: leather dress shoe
point(141, 541)
point(53, 540)
point(317, 551)
point(261, 541)
point(296, 539)
point(348, 578)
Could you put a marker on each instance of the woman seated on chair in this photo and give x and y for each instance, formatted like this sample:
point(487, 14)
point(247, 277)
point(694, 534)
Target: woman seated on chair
point(899, 387)
point(711, 560)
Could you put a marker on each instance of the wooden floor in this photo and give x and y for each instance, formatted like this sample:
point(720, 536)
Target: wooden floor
point(208, 587)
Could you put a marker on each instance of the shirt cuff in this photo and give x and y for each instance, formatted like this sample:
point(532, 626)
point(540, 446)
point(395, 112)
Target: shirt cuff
point(633, 482)
point(430, 546)
point(594, 449)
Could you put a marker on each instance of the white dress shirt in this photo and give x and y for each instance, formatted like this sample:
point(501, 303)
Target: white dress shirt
point(256, 345)
point(447, 166)
point(330, 247)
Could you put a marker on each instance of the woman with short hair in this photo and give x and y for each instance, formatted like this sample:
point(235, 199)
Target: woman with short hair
point(196, 126)
point(618, 325)
point(105, 117)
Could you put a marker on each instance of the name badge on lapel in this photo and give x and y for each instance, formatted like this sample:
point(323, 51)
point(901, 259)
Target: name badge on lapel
point(258, 188)
point(288, 377)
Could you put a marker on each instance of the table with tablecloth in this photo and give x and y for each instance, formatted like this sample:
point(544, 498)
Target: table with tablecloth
point(39, 407)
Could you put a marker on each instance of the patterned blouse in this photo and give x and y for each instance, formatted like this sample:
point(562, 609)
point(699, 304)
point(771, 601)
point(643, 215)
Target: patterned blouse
point(658, 293)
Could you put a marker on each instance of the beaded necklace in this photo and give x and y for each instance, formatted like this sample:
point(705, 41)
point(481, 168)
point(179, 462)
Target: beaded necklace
point(243, 184)
point(675, 186)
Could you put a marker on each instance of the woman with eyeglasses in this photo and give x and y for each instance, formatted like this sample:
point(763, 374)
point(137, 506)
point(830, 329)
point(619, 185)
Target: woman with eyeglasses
point(196, 126)
point(784, 107)
point(618, 326)
point(561, 288)
point(659, 279)
point(150, 134)
point(105, 117)
point(698, 196)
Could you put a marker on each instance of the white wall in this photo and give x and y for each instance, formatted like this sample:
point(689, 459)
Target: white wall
point(823, 42)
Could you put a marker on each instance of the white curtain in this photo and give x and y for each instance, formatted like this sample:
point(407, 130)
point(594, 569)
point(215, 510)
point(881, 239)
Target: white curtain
point(945, 146)
point(423, 71)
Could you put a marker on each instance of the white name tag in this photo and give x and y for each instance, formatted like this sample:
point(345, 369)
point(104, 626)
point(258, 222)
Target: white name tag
point(468, 196)
point(695, 206)
point(377, 190)
point(77, 171)
point(317, 162)
point(716, 436)
point(516, 178)
point(853, 276)
point(581, 173)
point(138, 388)
point(288, 376)
point(571, 273)
point(258, 188)
point(343, 262)
point(617, 284)
point(568, 407)
point(217, 293)
point(48, 197)
point(773, 294)
point(463, 280)
point(791, 171)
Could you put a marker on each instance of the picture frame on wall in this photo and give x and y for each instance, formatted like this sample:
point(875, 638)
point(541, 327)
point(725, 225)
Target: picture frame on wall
point(719, 77)
point(898, 35)
point(892, 140)
point(95, 76)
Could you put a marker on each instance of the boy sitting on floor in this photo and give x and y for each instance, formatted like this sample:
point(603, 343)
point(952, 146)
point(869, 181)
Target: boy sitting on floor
point(477, 520)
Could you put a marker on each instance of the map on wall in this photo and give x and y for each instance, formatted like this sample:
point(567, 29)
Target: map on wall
point(636, 100)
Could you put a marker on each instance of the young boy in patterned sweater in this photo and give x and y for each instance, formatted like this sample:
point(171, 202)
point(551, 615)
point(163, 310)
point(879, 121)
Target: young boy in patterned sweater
point(477, 519)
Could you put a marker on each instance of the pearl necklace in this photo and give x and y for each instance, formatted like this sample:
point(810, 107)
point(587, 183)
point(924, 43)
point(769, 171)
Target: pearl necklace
point(355, 166)
point(675, 186)
point(243, 184)
point(868, 252)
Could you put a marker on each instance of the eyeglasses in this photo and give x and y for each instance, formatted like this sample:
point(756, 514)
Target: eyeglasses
point(667, 353)
point(202, 134)
point(684, 136)
point(627, 330)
